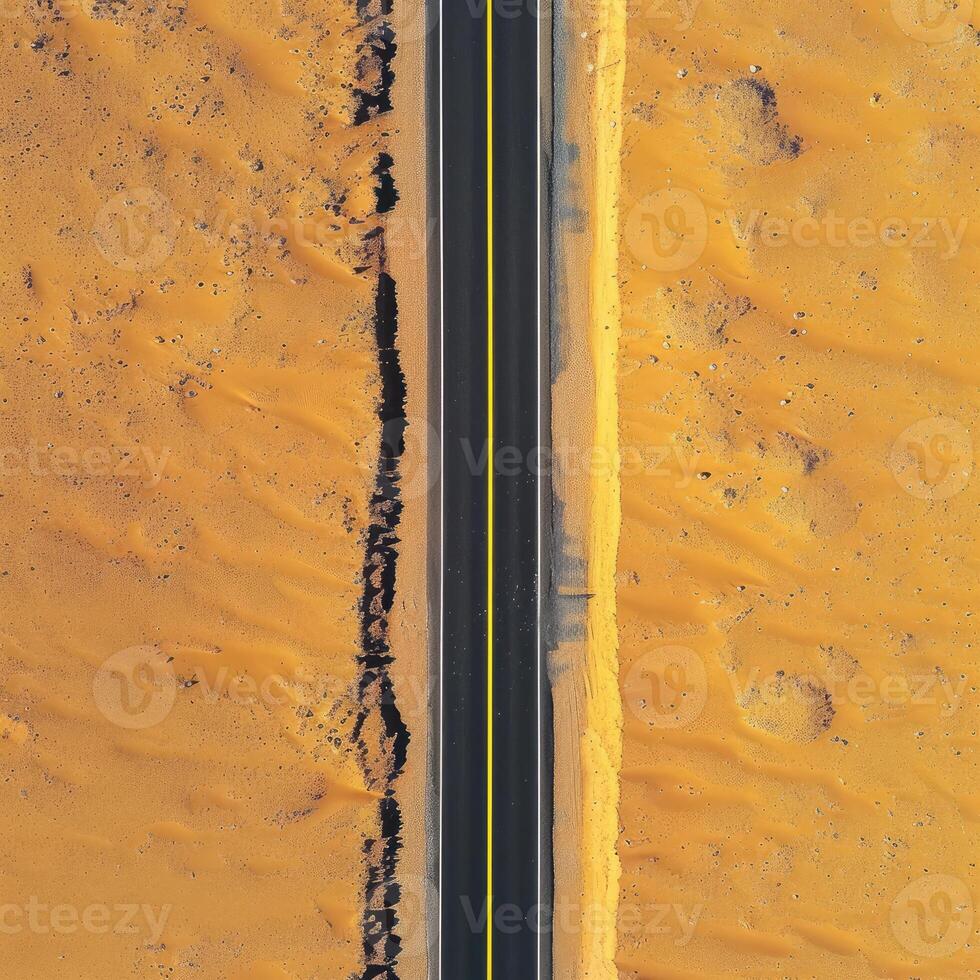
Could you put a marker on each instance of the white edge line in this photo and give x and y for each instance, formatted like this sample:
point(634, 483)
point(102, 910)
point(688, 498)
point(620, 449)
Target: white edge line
point(540, 435)
point(442, 496)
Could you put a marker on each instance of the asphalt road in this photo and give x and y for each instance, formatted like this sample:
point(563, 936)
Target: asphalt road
point(493, 721)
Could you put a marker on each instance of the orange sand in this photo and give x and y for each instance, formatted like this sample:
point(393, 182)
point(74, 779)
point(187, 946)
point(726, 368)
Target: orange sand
point(188, 376)
point(795, 384)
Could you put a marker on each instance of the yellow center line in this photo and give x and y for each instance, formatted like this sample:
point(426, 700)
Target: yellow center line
point(490, 468)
